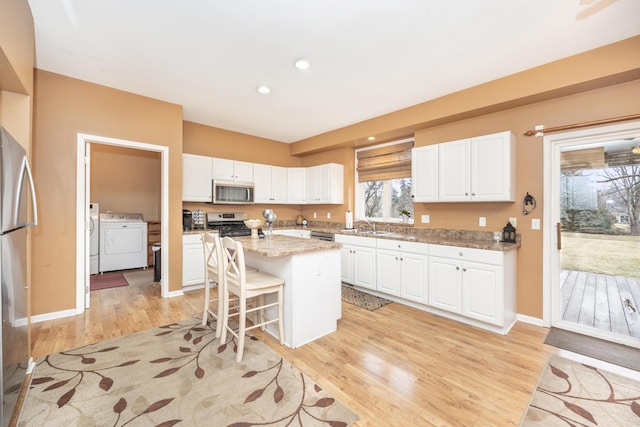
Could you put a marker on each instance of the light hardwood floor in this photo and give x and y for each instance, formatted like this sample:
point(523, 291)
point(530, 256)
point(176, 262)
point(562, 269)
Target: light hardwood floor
point(396, 366)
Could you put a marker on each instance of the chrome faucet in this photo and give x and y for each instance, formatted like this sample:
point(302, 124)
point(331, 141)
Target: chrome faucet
point(371, 224)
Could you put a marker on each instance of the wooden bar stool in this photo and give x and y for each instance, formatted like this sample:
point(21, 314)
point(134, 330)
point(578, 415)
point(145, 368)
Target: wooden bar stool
point(247, 284)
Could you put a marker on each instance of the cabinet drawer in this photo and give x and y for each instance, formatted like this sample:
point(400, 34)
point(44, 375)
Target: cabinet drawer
point(191, 238)
point(467, 254)
point(356, 240)
point(403, 246)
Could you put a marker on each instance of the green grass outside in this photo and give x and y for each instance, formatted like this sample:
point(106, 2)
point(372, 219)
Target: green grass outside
point(600, 253)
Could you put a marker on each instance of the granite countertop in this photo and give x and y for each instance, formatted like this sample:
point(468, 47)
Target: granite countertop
point(446, 240)
point(278, 246)
point(458, 238)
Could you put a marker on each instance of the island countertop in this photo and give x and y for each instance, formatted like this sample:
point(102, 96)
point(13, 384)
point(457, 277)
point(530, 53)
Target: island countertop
point(279, 245)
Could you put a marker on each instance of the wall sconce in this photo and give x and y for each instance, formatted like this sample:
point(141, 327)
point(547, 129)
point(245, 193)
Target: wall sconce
point(509, 233)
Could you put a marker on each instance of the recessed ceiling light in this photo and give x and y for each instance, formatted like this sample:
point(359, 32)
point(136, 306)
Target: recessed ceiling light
point(372, 138)
point(264, 90)
point(302, 64)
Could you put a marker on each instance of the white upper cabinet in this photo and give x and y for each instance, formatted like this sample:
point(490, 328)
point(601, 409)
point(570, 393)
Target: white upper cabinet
point(321, 184)
point(479, 169)
point(493, 168)
point(270, 184)
point(196, 178)
point(453, 171)
point(325, 184)
point(297, 185)
point(232, 170)
point(424, 170)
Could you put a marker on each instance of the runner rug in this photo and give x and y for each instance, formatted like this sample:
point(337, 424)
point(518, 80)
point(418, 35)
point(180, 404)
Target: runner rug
point(112, 279)
point(362, 299)
point(618, 354)
point(574, 394)
point(177, 374)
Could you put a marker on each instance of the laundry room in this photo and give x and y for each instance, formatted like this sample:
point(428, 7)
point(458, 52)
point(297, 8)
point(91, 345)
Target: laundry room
point(125, 206)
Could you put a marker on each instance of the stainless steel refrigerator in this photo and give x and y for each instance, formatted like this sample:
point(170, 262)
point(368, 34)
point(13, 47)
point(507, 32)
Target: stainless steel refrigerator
point(18, 211)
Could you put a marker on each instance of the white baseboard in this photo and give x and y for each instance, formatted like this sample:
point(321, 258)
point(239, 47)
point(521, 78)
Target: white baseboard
point(172, 294)
point(530, 319)
point(53, 315)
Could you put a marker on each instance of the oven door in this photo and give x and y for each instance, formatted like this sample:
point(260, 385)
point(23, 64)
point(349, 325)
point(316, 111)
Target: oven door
point(230, 192)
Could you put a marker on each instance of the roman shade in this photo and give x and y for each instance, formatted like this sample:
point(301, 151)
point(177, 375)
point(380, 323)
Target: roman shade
point(383, 163)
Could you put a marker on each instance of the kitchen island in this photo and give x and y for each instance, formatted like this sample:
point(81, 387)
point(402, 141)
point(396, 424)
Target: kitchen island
point(312, 285)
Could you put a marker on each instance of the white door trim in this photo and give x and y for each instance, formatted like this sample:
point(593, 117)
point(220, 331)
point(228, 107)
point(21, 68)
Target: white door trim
point(82, 211)
point(551, 216)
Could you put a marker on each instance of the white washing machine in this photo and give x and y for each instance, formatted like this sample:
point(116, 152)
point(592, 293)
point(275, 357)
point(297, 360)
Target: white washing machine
point(94, 237)
point(123, 241)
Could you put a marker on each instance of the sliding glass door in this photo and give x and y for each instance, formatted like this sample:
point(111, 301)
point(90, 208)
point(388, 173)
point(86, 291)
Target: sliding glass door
point(592, 232)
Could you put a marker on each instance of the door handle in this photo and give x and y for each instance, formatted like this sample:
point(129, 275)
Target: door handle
point(559, 235)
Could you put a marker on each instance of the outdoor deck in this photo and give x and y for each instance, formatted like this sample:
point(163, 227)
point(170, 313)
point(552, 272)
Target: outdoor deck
point(598, 300)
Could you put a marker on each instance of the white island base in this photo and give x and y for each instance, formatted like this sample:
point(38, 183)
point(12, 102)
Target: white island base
point(312, 293)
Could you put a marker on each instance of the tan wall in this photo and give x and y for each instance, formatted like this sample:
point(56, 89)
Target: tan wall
point(214, 142)
point(126, 180)
point(17, 47)
point(65, 107)
point(17, 58)
point(614, 101)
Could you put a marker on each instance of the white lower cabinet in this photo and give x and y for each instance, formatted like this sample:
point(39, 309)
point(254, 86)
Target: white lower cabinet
point(192, 260)
point(478, 284)
point(358, 260)
point(402, 269)
point(474, 286)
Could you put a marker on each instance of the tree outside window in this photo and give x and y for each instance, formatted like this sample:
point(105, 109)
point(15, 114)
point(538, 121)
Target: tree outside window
point(383, 200)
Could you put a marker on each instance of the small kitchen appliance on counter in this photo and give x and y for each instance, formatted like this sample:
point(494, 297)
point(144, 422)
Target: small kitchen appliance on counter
point(228, 223)
point(197, 219)
point(187, 220)
point(270, 217)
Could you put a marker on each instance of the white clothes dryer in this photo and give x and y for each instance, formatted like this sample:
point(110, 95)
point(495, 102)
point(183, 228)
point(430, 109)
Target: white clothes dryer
point(123, 241)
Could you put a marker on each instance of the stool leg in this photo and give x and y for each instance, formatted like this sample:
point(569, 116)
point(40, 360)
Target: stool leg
point(205, 314)
point(242, 320)
point(225, 316)
point(222, 308)
point(280, 316)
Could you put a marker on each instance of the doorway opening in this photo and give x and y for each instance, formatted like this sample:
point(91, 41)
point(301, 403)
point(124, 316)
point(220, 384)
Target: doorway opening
point(592, 232)
point(82, 211)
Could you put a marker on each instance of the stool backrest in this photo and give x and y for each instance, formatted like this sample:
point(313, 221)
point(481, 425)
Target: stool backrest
point(213, 262)
point(234, 265)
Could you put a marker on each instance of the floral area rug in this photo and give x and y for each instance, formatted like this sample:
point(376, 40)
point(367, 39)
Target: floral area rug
point(177, 374)
point(574, 394)
point(362, 299)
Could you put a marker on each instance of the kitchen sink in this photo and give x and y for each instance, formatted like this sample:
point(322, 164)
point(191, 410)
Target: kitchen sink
point(368, 232)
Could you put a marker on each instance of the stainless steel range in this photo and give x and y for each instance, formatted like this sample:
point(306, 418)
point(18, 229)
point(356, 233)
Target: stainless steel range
point(228, 223)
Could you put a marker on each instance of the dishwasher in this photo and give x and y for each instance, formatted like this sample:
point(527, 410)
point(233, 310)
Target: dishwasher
point(323, 235)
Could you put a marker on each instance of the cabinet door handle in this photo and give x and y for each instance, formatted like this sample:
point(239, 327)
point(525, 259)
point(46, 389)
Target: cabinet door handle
point(457, 268)
point(464, 269)
point(559, 235)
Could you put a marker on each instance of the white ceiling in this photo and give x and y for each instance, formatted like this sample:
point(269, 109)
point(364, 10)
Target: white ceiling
point(369, 57)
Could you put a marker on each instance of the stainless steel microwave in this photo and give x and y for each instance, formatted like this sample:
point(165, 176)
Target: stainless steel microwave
point(232, 192)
